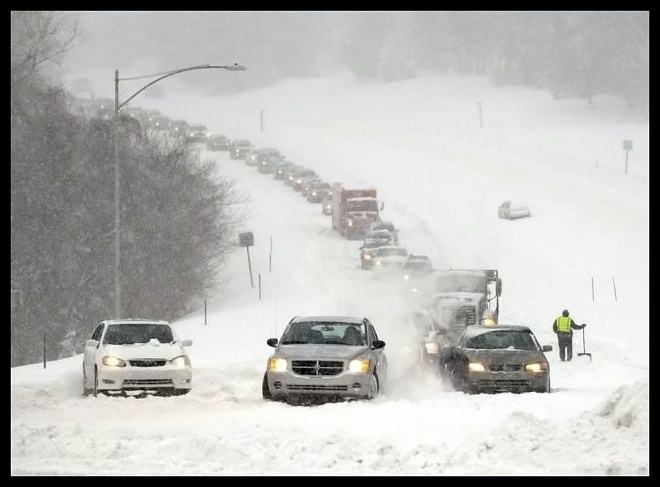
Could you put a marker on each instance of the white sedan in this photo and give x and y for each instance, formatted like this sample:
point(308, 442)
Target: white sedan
point(136, 355)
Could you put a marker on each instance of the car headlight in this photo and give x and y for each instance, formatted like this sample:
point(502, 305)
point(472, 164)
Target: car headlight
point(476, 367)
point(359, 365)
point(406, 277)
point(299, 181)
point(313, 193)
point(290, 178)
point(415, 290)
point(349, 223)
point(367, 256)
point(536, 367)
point(379, 263)
point(110, 361)
point(432, 347)
point(277, 364)
point(181, 361)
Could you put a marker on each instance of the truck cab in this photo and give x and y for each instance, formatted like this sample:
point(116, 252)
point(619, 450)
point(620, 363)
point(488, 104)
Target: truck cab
point(354, 210)
point(460, 297)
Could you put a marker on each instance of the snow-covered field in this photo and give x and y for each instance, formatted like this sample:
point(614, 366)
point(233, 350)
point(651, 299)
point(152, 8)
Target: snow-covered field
point(442, 178)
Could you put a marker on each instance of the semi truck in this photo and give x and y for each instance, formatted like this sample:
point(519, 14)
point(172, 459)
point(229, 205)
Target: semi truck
point(460, 297)
point(354, 210)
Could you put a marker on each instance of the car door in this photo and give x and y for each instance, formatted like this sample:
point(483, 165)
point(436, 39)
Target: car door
point(90, 350)
point(379, 355)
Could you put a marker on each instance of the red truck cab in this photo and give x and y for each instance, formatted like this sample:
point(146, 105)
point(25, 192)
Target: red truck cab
point(353, 210)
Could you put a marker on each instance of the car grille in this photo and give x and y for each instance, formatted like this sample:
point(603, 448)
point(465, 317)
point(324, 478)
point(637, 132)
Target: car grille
point(148, 382)
point(314, 387)
point(503, 384)
point(504, 367)
point(317, 367)
point(147, 362)
point(463, 314)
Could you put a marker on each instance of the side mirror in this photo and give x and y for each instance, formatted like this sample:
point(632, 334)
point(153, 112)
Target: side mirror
point(498, 287)
point(271, 342)
point(186, 343)
point(379, 344)
point(91, 343)
point(547, 348)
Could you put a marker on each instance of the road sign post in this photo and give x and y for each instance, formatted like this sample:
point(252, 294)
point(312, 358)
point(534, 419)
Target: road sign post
point(246, 240)
point(627, 146)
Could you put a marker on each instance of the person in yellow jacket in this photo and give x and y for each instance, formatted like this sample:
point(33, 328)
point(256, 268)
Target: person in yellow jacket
point(563, 327)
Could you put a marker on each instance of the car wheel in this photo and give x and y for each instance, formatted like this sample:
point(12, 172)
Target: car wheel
point(86, 390)
point(265, 390)
point(95, 390)
point(373, 387)
point(547, 387)
point(180, 392)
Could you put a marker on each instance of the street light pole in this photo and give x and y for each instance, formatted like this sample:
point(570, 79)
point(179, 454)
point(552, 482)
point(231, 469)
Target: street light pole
point(116, 134)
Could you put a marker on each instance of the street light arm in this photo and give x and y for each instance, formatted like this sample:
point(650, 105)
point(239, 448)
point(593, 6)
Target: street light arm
point(172, 73)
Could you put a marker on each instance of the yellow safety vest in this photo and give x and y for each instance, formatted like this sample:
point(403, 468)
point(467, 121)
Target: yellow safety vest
point(564, 324)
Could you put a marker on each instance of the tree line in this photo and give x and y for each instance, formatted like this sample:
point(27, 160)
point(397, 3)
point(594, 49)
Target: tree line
point(178, 218)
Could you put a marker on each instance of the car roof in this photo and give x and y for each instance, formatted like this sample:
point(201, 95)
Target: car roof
point(336, 319)
point(474, 330)
point(135, 320)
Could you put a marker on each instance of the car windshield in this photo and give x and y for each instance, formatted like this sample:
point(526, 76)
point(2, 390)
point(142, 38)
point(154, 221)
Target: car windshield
point(372, 243)
point(383, 226)
point(363, 205)
point(324, 333)
point(130, 333)
point(502, 340)
point(461, 283)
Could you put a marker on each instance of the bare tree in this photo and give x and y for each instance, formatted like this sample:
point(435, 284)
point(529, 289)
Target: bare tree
point(38, 38)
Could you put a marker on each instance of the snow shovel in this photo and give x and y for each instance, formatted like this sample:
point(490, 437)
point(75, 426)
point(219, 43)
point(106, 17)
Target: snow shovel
point(584, 352)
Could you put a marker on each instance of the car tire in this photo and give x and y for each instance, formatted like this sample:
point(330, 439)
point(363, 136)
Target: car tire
point(547, 388)
point(374, 387)
point(86, 391)
point(180, 392)
point(95, 390)
point(265, 390)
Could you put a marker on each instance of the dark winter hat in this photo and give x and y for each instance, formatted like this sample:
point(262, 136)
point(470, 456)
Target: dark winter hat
point(564, 313)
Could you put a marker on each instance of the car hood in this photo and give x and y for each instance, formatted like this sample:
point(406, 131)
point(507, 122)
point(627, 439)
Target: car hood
point(145, 350)
point(504, 356)
point(320, 352)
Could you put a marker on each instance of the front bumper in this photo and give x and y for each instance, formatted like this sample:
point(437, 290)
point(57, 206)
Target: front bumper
point(346, 384)
point(510, 381)
point(127, 378)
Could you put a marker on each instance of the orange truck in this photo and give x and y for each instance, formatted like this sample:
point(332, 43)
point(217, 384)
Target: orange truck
point(353, 210)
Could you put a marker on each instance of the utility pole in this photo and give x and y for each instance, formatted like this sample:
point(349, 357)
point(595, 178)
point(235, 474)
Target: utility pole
point(261, 120)
point(117, 195)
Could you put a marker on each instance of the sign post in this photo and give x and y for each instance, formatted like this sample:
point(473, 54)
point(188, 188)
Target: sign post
point(246, 240)
point(627, 146)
